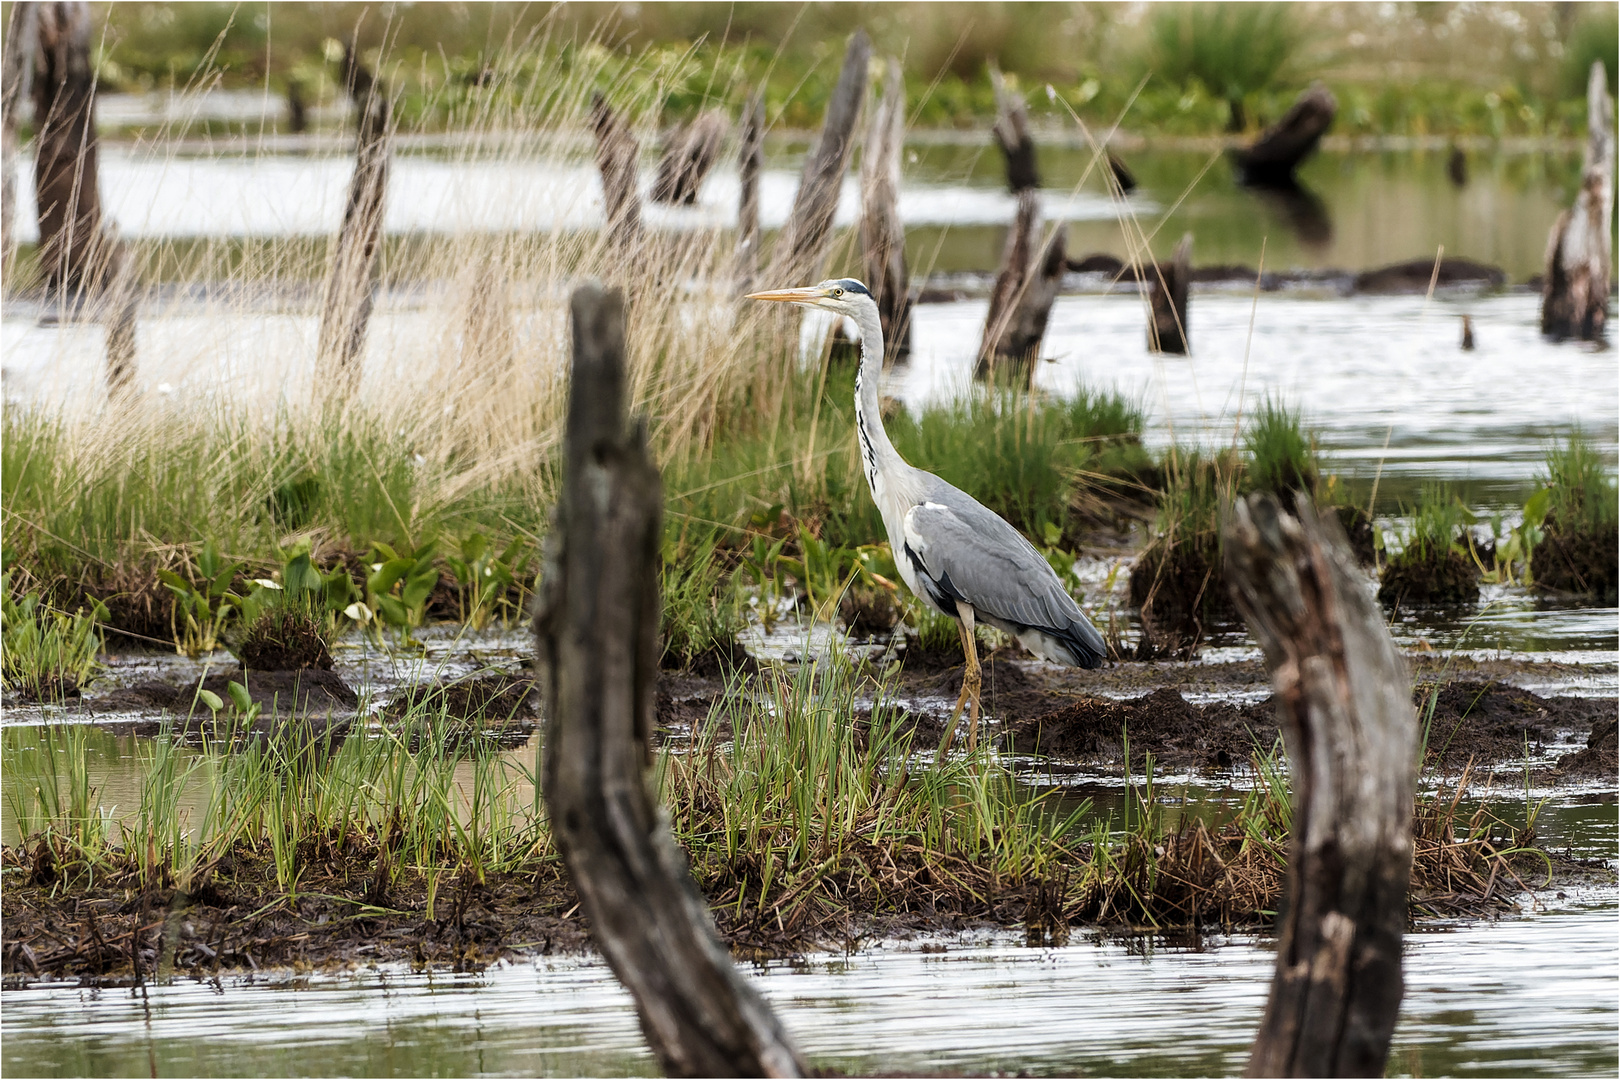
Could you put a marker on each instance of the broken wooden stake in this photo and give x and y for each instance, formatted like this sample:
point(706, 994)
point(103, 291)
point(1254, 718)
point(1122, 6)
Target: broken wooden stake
point(616, 154)
point(1167, 300)
point(883, 235)
point(351, 281)
point(1344, 703)
point(1580, 256)
point(750, 162)
point(687, 158)
point(801, 251)
point(1274, 156)
point(1011, 131)
point(597, 626)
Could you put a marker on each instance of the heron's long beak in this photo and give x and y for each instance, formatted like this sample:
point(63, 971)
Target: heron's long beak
point(808, 295)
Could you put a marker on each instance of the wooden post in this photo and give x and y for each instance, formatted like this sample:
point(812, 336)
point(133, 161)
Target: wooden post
point(616, 154)
point(1274, 156)
point(1167, 300)
point(1580, 256)
point(597, 634)
point(883, 235)
point(350, 284)
point(1011, 131)
point(687, 159)
point(750, 160)
point(16, 81)
point(1344, 702)
point(801, 251)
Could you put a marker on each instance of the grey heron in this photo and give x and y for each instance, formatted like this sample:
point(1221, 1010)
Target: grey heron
point(957, 556)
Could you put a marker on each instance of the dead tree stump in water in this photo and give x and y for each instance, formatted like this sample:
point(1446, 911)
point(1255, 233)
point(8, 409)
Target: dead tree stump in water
point(1274, 156)
point(1344, 702)
point(616, 153)
point(801, 251)
point(1167, 300)
point(1026, 285)
point(687, 159)
point(351, 281)
point(1580, 258)
point(883, 235)
point(597, 634)
point(16, 83)
point(750, 162)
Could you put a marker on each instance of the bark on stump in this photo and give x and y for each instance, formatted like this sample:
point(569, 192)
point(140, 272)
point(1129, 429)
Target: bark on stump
point(1344, 702)
point(1274, 156)
point(750, 162)
point(616, 153)
point(351, 281)
point(1580, 258)
point(1167, 301)
point(687, 158)
point(801, 251)
point(883, 235)
point(597, 634)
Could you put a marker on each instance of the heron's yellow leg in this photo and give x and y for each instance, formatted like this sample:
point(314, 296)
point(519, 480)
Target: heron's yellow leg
point(970, 686)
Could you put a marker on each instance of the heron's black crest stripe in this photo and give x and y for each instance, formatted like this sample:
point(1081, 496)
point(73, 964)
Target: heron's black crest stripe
point(849, 284)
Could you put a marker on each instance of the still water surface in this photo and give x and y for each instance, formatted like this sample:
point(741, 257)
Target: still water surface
point(1531, 996)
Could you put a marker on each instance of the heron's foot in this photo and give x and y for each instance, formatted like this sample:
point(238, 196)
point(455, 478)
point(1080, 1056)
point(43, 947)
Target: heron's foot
point(971, 686)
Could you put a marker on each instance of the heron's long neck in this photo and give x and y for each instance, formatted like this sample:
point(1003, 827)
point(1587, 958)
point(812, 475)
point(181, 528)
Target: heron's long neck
point(878, 455)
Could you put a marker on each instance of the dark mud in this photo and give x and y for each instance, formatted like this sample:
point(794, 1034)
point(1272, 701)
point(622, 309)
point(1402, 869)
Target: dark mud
point(501, 700)
point(1444, 577)
point(284, 639)
point(1581, 561)
point(319, 701)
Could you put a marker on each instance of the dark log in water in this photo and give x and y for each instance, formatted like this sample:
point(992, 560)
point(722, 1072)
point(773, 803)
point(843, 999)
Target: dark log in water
point(16, 81)
point(1580, 256)
point(616, 153)
point(1011, 131)
point(1167, 300)
point(350, 284)
point(883, 235)
point(1278, 151)
point(1467, 334)
point(597, 635)
point(1457, 166)
point(1123, 177)
point(1416, 275)
point(750, 162)
point(801, 250)
point(1344, 702)
point(687, 159)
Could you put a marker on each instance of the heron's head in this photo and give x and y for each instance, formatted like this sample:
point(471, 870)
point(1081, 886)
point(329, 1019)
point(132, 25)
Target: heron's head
point(840, 295)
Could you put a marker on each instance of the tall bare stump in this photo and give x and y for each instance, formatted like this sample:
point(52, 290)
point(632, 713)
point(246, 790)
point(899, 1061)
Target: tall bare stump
point(16, 81)
point(1274, 156)
point(801, 251)
point(597, 634)
point(1580, 258)
point(883, 235)
point(350, 283)
point(687, 158)
point(750, 162)
point(1027, 284)
point(1344, 702)
point(1167, 300)
point(616, 153)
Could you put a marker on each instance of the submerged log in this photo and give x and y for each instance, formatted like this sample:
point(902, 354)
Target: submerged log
point(351, 281)
point(687, 159)
point(1011, 131)
point(16, 82)
point(883, 235)
point(1167, 300)
point(1344, 702)
point(1580, 256)
point(616, 153)
point(1278, 151)
point(801, 251)
point(597, 628)
point(750, 161)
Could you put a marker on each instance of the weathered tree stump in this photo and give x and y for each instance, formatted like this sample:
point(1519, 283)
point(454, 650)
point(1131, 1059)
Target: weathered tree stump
point(16, 82)
point(1274, 156)
point(801, 251)
point(1457, 167)
point(351, 280)
point(1167, 300)
point(1580, 256)
point(883, 235)
point(297, 108)
point(1467, 334)
point(597, 634)
point(687, 158)
point(1011, 132)
point(1344, 702)
point(616, 153)
point(750, 161)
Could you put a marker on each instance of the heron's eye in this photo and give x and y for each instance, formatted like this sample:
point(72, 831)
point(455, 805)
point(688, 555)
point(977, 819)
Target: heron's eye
point(838, 292)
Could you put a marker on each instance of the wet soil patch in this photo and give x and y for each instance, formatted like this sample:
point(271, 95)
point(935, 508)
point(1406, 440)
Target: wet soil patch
point(1599, 759)
point(1445, 577)
point(719, 661)
point(1578, 561)
point(1176, 732)
point(284, 639)
point(1180, 592)
point(313, 696)
point(1491, 722)
point(501, 700)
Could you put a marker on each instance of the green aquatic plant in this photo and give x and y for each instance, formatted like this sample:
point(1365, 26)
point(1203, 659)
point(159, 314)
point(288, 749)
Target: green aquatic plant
point(45, 654)
point(1281, 457)
point(1580, 542)
point(1436, 562)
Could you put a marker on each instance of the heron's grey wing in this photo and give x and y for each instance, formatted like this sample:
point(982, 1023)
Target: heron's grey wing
point(961, 550)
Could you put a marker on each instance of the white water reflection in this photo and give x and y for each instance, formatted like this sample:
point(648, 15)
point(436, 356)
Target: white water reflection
point(1532, 996)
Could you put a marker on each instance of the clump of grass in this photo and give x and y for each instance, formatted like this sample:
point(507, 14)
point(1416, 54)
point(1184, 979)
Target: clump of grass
point(1579, 550)
point(285, 637)
point(1176, 582)
point(1281, 457)
point(45, 654)
point(1434, 564)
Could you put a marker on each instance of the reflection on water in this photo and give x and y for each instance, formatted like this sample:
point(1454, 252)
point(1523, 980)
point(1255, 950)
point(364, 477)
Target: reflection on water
point(1531, 996)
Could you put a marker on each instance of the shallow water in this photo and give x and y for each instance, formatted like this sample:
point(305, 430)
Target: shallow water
point(1531, 996)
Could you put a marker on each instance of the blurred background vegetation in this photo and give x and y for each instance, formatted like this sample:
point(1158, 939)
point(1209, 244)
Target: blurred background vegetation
point(1495, 70)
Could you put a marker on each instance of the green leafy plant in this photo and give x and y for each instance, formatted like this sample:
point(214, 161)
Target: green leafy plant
point(399, 584)
point(486, 576)
point(45, 654)
point(201, 610)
